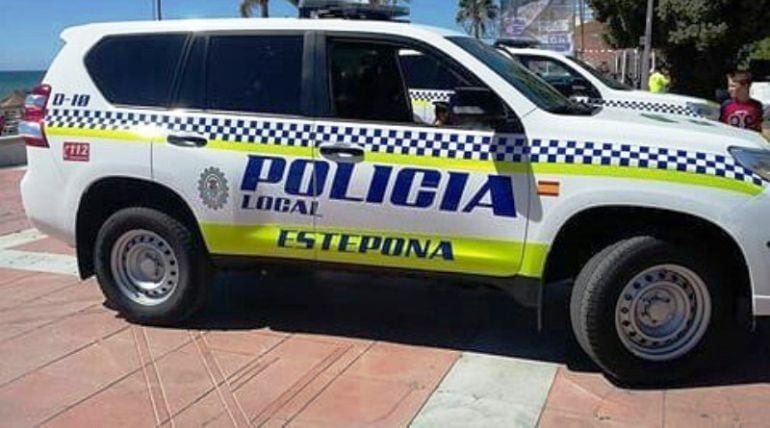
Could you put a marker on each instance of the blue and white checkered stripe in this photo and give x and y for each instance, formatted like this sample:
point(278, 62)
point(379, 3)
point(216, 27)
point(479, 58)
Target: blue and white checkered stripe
point(424, 142)
point(626, 155)
point(652, 107)
point(231, 129)
point(430, 95)
point(431, 142)
point(508, 148)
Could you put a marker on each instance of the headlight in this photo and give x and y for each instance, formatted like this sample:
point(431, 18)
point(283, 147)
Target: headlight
point(755, 160)
point(706, 109)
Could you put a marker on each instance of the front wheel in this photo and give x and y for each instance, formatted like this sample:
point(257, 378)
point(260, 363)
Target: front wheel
point(151, 266)
point(649, 311)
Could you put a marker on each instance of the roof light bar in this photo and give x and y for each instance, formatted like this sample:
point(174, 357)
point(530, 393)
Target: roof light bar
point(351, 10)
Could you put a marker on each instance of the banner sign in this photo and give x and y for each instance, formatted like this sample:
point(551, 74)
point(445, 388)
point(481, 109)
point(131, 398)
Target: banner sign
point(552, 22)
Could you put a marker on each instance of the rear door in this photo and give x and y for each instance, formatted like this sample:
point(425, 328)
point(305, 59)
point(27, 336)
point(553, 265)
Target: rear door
point(102, 124)
point(238, 143)
point(398, 191)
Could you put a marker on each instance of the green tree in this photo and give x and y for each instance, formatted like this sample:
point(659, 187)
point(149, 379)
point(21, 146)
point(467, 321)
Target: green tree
point(761, 50)
point(701, 40)
point(477, 16)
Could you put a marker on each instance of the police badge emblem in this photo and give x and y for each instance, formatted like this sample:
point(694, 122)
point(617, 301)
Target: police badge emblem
point(212, 188)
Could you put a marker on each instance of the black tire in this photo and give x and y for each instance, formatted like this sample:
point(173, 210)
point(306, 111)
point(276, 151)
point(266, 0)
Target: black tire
point(595, 297)
point(191, 259)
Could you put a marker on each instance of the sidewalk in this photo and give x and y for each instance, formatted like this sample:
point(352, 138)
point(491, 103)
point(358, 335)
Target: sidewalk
point(324, 350)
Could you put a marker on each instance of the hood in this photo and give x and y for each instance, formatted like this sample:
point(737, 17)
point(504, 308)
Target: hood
point(623, 126)
point(667, 98)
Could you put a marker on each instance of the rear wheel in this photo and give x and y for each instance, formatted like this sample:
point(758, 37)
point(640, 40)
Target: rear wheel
point(647, 311)
point(151, 267)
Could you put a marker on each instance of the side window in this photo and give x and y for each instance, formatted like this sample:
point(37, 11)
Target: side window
point(253, 74)
point(390, 82)
point(425, 72)
point(136, 70)
point(258, 74)
point(366, 82)
point(430, 83)
point(192, 93)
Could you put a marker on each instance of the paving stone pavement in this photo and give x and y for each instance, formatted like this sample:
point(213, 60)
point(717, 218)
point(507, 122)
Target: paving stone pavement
point(318, 350)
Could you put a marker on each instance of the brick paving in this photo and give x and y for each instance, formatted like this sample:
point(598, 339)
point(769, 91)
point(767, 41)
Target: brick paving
point(12, 218)
point(314, 350)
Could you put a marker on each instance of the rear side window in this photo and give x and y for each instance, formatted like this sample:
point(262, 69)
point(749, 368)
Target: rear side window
point(136, 70)
point(257, 74)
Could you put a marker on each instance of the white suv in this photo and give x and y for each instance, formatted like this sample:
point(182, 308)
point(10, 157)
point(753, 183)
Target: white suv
point(575, 78)
point(164, 150)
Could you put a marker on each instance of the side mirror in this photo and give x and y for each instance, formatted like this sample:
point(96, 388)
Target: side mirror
point(478, 104)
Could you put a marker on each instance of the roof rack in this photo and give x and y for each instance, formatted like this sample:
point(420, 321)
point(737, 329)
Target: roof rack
point(518, 42)
point(348, 10)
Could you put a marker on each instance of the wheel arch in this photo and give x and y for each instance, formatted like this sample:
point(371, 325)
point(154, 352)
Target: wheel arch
point(105, 196)
point(586, 232)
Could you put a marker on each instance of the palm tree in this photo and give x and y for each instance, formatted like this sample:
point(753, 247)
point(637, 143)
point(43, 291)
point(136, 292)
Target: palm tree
point(477, 16)
point(248, 5)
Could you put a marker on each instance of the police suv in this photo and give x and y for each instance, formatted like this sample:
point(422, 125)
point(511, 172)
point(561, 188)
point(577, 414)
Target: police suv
point(577, 79)
point(165, 150)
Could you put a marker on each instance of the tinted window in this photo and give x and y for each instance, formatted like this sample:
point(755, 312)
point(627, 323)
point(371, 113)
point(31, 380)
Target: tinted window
point(136, 70)
point(526, 82)
point(425, 72)
point(191, 91)
point(261, 74)
point(366, 82)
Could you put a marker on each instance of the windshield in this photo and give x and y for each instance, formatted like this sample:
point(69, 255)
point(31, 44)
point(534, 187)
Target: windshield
point(612, 83)
point(526, 82)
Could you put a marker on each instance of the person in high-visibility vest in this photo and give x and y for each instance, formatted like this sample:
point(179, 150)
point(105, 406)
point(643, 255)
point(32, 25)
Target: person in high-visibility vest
point(659, 81)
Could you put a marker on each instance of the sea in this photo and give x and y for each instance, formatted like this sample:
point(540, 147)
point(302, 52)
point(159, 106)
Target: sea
point(25, 80)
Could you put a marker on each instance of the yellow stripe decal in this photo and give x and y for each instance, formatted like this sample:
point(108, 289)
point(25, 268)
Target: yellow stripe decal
point(649, 175)
point(422, 103)
point(469, 255)
point(261, 148)
point(533, 262)
point(130, 136)
point(555, 169)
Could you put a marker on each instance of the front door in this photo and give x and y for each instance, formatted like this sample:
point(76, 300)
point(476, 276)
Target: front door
point(405, 189)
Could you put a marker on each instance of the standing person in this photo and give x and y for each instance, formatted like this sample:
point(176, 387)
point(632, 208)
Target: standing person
point(659, 81)
point(740, 110)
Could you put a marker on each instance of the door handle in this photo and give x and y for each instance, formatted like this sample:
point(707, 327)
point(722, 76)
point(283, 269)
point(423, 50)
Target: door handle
point(342, 153)
point(187, 140)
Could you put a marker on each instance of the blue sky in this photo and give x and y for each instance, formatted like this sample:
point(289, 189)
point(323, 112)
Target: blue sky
point(29, 29)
